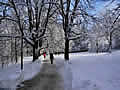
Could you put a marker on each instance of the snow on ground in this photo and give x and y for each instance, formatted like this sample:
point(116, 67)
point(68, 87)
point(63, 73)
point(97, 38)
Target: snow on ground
point(12, 75)
point(65, 71)
point(96, 71)
point(84, 71)
point(92, 71)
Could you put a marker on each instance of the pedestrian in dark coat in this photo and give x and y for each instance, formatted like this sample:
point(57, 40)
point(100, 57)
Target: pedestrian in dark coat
point(51, 58)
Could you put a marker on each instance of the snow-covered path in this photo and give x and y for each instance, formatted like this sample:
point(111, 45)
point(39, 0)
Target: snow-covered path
point(12, 76)
point(47, 79)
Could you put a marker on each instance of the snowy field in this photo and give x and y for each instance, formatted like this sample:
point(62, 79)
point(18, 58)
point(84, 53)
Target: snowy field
point(96, 71)
point(91, 71)
point(12, 75)
point(84, 71)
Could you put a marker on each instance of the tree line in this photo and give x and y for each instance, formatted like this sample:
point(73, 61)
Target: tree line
point(54, 24)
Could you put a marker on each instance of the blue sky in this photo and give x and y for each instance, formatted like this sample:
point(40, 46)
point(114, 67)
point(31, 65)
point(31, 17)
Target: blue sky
point(100, 5)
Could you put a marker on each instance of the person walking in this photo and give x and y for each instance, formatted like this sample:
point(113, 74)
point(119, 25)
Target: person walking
point(44, 54)
point(51, 58)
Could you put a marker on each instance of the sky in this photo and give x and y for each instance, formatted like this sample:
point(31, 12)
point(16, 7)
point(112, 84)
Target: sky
point(101, 5)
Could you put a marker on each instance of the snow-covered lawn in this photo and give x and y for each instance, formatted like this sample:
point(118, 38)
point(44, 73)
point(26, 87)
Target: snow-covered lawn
point(96, 71)
point(84, 71)
point(65, 71)
point(11, 76)
point(91, 71)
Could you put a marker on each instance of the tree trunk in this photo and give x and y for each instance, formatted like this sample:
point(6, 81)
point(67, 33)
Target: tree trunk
point(97, 49)
point(110, 44)
point(34, 56)
point(11, 53)
point(35, 51)
point(66, 55)
point(22, 52)
point(16, 51)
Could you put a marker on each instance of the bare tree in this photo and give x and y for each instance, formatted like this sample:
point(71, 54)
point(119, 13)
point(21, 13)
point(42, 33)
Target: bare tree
point(110, 24)
point(69, 10)
point(31, 16)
